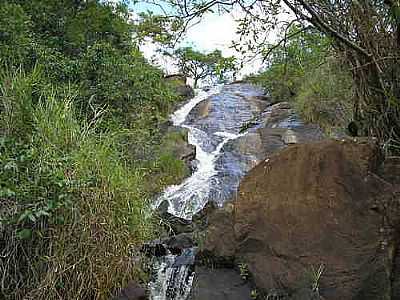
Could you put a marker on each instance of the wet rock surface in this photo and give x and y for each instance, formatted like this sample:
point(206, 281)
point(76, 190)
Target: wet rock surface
point(219, 284)
point(275, 128)
point(310, 209)
point(265, 129)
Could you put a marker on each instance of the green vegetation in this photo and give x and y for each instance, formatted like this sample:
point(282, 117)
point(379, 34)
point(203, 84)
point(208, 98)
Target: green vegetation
point(306, 73)
point(80, 110)
point(198, 65)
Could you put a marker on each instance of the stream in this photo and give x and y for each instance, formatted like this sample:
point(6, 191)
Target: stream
point(217, 175)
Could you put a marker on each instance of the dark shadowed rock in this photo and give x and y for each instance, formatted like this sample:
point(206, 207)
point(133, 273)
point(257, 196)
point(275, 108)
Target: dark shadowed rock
point(180, 241)
point(390, 170)
point(219, 284)
point(200, 111)
point(201, 218)
point(185, 91)
point(187, 257)
point(219, 246)
point(132, 292)
point(175, 224)
point(154, 249)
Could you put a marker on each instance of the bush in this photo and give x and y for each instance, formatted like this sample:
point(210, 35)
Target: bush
point(124, 82)
point(325, 97)
point(79, 149)
point(72, 205)
point(15, 34)
point(304, 73)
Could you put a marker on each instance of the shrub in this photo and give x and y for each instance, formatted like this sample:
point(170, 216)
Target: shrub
point(15, 34)
point(79, 136)
point(325, 97)
point(72, 207)
point(304, 73)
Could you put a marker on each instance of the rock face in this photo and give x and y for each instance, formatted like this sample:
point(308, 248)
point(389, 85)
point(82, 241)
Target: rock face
point(277, 127)
point(200, 111)
point(219, 284)
point(314, 219)
point(132, 292)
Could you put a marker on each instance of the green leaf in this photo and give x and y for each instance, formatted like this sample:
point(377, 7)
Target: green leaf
point(24, 234)
point(24, 215)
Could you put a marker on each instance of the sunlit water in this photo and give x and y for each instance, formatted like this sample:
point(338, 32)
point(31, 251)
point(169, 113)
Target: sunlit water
point(212, 181)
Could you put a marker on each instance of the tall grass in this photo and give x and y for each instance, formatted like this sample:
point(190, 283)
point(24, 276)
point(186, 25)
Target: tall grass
point(73, 209)
point(325, 97)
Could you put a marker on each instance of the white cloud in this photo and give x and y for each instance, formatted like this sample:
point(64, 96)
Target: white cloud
point(214, 32)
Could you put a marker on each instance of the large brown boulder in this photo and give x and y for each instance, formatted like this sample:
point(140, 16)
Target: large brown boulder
point(315, 217)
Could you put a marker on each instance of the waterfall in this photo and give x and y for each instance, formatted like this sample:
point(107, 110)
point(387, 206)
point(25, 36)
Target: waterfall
point(230, 110)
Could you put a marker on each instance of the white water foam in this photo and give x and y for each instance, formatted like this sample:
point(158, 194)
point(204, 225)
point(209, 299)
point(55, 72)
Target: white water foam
point(180, 115)
point(172, 282)
point(175, 282)
point(192, 194)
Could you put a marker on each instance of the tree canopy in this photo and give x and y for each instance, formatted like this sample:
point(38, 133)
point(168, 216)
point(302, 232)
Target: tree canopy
point(199, 65)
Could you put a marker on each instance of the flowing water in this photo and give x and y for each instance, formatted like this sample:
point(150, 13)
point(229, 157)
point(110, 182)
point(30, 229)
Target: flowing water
point(217, 175)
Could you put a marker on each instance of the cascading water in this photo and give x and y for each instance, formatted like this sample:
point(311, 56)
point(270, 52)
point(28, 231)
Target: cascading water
point(230, 109)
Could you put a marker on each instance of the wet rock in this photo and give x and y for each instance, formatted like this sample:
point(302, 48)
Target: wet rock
point(154, 249)
point(173, 224)
point(133, 291)
point(186, 258)
point(260, 101)
point(219, 284)
point(201, 218)
point(276, 128)
point(185, 91)
point(219, 246)
point(180, 241)
point(289, 137)
point(177, 225)
point(162, 209)
point(311, 207)
point(200, 111)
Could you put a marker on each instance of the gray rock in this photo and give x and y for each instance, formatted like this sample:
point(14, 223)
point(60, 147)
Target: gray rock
point(219, 284)
point(133, 291)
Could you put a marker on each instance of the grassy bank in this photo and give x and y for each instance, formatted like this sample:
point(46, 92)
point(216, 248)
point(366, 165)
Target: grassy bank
point(80, 114)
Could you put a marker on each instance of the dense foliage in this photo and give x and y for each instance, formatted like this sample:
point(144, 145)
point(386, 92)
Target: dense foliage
point(80, 110)
point(306, 72)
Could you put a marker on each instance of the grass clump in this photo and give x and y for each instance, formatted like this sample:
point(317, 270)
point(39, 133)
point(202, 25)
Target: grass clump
point(80, 115)
point(72, 208)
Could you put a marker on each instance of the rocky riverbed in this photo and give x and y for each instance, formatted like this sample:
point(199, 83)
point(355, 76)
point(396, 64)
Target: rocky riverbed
point(277, 211)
